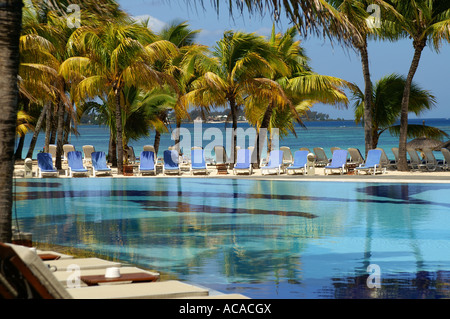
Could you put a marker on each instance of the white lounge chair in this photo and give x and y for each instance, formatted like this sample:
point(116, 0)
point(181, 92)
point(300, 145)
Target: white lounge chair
point(274, 166)
point(372, 164)
point(321, 157)
point(338, 162)
point(446, 154)
point(414, 160)
point(24, 275)
point(87, 151)
point(355, 156)
point(66, 149)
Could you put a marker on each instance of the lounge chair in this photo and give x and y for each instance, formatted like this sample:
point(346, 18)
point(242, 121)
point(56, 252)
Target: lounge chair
point(198, 163)
point(305, 149)
point(171, 162)
point(129, 154)
point(45, 165)
point(288, 159)
point(52, 151)
point(372, 164)
point(243, 162)
point(221, 155)
point(147, 163)
point(321, 157)
point(88, 150)
point(24, 275)
point(431, 163)
point(149, 148)
point(414, 160)
point(66, 149)
point(99, 164)
point(446, 153)
point(385, 161)
point(338, 162)
point(75, 163)
point(334, 148)
point(355, 156)
point(299, 165)
point(274, 166)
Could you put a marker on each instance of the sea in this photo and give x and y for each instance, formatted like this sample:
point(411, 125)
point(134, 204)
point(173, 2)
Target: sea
point(326, 134)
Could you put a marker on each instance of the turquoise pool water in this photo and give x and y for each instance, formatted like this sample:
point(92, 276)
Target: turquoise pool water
point(264, 239)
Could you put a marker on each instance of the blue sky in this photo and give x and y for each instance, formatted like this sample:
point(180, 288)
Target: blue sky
point(385, 57)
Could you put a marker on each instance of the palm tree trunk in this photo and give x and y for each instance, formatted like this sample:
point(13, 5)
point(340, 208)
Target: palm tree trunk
point(54, 125)
point(156, 142)
point(37, 130)
point(48, 128)
point(19, 149)
point(367, 98)
point(177, 135)
point(10, 29)
point(262, 134)
point(119, 138)
point(402, 164)
point(59, 135)
point(67, 128)
point(112, 151)
point(233, 108)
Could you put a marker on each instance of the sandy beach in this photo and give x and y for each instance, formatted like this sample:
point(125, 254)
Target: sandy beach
point(391, 175)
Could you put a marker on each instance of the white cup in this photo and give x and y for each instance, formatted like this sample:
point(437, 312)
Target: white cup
point(112, 272)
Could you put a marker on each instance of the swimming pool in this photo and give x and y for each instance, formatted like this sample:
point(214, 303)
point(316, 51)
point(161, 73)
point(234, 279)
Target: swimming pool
point(264, 239)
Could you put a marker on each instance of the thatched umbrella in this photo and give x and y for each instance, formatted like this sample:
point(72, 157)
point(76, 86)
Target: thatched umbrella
point(422, 143)
point(445, 145)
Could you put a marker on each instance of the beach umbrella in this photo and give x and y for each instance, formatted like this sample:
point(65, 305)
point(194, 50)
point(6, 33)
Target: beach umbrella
point(445, 145)
point(422, 143)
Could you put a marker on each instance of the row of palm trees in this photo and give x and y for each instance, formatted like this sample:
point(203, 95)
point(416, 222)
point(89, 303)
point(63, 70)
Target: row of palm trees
point(140, 76)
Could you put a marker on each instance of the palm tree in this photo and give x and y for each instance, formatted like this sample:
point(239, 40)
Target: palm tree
point(10, 28)
point(426, 22)
point(111, 57)
point(183, 67)
point(317, 17)
point(241, 64)
point(361, 29)
point(386, 108)
point(300, 89)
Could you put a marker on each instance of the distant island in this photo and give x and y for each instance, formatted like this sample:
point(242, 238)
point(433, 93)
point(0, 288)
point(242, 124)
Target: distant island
point(93, 118)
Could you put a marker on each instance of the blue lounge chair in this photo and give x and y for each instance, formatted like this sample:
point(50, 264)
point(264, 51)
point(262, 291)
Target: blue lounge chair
point(275, 163)
point(147, 163)
point(171, 162)
point(299, 165)
point(373, 162)
point(45, 165)
point(198, 163)
point(99, 164)
point(338, 162)
point(75, 162)
point(243, 162)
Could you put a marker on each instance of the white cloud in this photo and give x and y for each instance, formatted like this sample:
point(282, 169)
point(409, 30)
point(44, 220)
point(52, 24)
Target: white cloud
point(154, 24)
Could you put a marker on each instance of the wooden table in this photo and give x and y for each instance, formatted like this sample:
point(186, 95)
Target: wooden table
point(351, 168)
point(49, 256)
point(133, 277)
point(222, 169)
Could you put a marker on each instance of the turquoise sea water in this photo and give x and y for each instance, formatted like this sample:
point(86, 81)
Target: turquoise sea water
point(264, 239)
